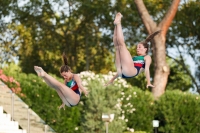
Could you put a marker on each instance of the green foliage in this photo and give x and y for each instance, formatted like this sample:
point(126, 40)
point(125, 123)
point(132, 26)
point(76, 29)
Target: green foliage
point(101, 100)
point(84, 32)
point(180, 75)
point(138, 81)
point(134, 109)
point(45, 34)
point(157, 8)
point(141, 132)
point(137, 132)
point(184, 37)
point(138, 109)
point(178, 112)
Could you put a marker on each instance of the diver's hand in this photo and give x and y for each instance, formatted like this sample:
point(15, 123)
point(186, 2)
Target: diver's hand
point(86, 92)
point(62, 106)
point(150, 85)
point(109, 83)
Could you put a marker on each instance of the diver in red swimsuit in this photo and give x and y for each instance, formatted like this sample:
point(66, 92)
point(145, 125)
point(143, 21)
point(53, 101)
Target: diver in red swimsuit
point(70, 91)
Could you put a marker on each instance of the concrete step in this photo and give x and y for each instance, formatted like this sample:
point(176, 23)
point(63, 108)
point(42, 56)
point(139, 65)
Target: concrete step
point(20, 112)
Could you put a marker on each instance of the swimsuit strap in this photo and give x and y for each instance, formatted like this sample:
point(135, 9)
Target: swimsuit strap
point(73, 77)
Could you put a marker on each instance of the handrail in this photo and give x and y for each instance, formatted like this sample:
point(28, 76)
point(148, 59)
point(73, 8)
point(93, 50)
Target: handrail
point(12, 107)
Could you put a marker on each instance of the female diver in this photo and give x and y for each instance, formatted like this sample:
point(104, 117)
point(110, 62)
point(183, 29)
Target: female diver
point(70, 91)
point(127, 66)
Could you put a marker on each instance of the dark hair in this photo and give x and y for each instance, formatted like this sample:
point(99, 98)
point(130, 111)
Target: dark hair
point(148, 39)
point(65, 67)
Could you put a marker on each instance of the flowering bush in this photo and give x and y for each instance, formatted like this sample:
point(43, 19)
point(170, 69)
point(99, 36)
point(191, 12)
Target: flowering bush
point(101, 99)
point(135, 105)
point(118, 87)
point(11, 83)
point(132, 106)
point(88, 76)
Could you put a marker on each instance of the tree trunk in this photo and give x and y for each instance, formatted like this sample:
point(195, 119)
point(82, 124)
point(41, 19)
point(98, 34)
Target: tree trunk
point(159, 49)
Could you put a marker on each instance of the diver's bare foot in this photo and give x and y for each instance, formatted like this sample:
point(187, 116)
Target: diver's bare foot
point(40, 72)
point(118, 18)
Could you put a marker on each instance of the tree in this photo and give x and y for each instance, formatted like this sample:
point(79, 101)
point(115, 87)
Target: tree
point(7, 45)
point(185, 38)
point(159, 49)
point(44, 32)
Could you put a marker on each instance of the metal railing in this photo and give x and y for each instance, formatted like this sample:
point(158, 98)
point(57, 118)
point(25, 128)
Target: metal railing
point(28, 114)
point(29, 111)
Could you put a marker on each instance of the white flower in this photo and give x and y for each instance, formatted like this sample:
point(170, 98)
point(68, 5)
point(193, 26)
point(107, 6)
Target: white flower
point(118, 100)
point(118, 106)
point(126, 120)
point(110, 73)
point(76, 128)
point(81, 102)
point(118, 85)
point(123, 117)
point(132, 130)
point(84, 83)
point(126, 86)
